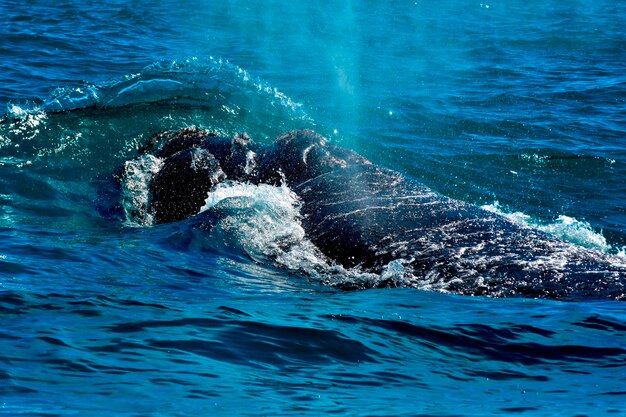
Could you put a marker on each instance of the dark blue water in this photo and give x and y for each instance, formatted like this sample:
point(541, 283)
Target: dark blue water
point(519, 106)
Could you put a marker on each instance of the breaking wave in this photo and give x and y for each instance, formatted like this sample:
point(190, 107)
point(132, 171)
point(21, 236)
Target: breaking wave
point(102, 124)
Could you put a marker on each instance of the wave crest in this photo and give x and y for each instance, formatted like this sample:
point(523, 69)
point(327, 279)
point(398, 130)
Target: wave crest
point(208, 82)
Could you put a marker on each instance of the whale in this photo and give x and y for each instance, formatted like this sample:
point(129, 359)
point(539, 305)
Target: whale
point(365, 217)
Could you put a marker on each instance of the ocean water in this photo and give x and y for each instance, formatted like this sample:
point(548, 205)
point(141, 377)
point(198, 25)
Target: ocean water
point(517, 106)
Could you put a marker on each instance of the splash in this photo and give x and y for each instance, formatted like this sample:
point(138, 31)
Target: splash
point(266, 222)
point(24, 122)
point(136, 189)
point(566, 228)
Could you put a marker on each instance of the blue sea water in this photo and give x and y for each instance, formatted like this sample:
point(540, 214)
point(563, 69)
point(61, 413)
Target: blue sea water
point(518, 106)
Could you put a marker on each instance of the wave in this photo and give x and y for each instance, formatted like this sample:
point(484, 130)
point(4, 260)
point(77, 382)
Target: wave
point(84, 132)
point(57, 154)
point(200, 81)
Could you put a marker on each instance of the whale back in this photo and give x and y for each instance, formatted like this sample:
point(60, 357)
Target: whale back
point(301, 155)
point(367, 217)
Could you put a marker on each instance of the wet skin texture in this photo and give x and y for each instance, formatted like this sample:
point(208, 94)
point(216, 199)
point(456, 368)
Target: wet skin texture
point(366, 217)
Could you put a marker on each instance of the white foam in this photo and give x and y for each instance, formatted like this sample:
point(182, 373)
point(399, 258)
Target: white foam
point(27, 120)
point(136, 189)
point(266, 222)
point(565, 228)
point(265, 219)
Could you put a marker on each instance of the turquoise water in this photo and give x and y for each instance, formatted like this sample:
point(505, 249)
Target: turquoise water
point(515, 106)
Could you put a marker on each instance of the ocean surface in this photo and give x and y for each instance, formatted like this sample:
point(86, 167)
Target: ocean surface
point(517, 106)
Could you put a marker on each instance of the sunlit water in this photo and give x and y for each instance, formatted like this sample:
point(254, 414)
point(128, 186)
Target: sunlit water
point(515, 106)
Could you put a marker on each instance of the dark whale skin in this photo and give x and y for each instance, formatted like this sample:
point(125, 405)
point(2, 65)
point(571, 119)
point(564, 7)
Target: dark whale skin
point(179, 189)
point(363, 216)
point(366, 217)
